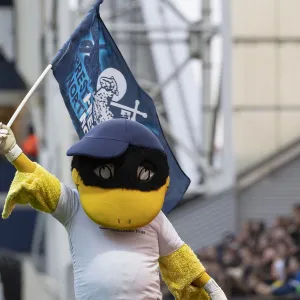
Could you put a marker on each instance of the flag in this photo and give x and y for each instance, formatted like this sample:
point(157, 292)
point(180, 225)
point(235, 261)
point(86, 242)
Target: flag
point(97, 85)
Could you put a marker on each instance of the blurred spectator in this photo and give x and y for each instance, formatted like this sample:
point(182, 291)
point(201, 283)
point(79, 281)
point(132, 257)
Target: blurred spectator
point(30, 145)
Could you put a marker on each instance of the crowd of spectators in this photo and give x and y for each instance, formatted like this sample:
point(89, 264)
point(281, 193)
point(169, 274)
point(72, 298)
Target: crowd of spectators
point(259, 260)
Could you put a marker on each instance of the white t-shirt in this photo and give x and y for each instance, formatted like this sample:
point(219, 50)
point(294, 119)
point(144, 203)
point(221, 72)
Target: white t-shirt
point(112, 264)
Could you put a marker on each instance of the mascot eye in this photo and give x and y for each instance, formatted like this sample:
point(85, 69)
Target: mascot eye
point(144, 174)
point(105, 171)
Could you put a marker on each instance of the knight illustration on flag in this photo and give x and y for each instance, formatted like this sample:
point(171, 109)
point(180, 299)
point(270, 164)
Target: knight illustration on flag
point(125, 179)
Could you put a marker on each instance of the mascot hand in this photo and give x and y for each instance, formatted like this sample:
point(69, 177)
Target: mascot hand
point(214, 291)
point(8, 144)
point(7, 139)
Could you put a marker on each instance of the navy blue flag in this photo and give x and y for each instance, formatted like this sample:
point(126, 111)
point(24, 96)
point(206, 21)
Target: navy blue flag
point(97, 85)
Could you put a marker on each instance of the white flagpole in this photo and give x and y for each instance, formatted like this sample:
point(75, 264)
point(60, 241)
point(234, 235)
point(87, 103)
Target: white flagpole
point(24, 101)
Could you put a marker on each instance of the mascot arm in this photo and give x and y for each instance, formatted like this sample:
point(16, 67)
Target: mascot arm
point(24, 164)
point(35, 186)
point(181, 269)
point(186, 277)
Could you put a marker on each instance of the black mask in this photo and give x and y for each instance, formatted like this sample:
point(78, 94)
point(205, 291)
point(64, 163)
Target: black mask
point(137, 169)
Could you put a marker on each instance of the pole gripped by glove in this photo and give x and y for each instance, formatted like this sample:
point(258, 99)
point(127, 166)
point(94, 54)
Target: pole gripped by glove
point(8, 144)
point(9, 148)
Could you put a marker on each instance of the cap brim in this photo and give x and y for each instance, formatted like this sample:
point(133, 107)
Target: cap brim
point(98, 148)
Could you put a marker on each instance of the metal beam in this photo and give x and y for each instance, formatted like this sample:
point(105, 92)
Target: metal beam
point(141, 28)
point(205, 53)
point(141, 40)
point(176, 11)
point(157, 89)
point(121, 12)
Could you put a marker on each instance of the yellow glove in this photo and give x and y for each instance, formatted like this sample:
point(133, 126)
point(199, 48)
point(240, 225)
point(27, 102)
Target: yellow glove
point(40, 189)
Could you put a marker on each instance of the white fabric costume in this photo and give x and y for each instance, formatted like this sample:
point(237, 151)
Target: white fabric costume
point(108, 262)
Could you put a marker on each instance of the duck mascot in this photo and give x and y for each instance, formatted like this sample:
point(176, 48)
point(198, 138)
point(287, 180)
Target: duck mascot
point(119, 238)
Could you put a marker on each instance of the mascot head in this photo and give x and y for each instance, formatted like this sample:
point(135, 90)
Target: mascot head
point(121, 173)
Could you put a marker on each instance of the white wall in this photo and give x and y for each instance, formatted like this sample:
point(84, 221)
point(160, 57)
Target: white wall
point(265, 74)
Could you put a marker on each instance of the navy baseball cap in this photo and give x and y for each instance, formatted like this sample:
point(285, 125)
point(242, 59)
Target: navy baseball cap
point(112, 138)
